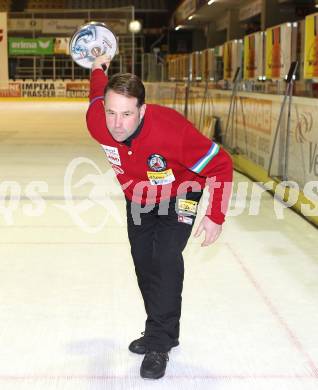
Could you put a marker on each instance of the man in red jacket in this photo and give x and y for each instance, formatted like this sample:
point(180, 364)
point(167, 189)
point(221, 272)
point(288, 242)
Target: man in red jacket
point(163, 164)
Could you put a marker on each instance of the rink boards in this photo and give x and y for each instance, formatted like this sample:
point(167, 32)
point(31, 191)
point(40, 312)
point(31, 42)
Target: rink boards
point(251, 128)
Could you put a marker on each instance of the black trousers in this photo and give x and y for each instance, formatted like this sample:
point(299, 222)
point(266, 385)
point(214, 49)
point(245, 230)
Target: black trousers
point(156, 247)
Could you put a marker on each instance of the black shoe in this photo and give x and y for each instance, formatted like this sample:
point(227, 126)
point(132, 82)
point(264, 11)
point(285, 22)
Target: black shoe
point(154, 365)
point(139, 346)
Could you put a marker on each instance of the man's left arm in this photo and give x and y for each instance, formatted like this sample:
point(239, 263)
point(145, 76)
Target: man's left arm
point(207, 159)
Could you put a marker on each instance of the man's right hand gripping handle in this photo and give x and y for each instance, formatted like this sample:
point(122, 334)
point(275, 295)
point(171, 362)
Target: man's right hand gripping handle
point(102, 62)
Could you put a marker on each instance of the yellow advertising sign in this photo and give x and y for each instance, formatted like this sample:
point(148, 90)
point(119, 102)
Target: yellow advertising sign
point(4, 75)
point(253, 56)
point(61, 45)
point(311, 47)
point(232, 57)
point(278, 51)
point(227, 58)
point(249, 57)
point(273, 53)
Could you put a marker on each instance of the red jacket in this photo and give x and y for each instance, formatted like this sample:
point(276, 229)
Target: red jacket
point(188, 156)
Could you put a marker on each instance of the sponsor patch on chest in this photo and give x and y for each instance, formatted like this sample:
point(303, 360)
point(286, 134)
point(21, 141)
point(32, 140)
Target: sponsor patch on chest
point(161, 178)
point(112, 154)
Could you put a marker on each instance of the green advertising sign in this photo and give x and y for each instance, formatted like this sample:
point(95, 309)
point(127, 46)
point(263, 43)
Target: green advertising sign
point(29, 46)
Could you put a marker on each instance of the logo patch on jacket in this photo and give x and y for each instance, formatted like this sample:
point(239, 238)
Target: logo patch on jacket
point(187, 207)
point(117, 169)
point(161, 178)
point(112, 154)
point(183, 219)
point(157, 163)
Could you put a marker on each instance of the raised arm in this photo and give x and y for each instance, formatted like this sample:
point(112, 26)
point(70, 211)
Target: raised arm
point(95, 116)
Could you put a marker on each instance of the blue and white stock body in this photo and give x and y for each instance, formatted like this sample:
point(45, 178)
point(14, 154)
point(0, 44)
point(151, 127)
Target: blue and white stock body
point(90, 41)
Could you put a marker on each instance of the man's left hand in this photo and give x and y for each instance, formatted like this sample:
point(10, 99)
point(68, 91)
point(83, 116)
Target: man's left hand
point(212, 231)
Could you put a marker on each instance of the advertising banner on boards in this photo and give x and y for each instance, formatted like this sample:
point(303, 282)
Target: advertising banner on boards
point(61, 26)
point(77, 89)
point(11, 89)
point(228, 60)
point(232, 56)
point(30, 46)
point(311, 47)
point(62, 45)
point(278, 51)
point(253, 56)
point(4, 76)
point(38, 89)
point(25, 24)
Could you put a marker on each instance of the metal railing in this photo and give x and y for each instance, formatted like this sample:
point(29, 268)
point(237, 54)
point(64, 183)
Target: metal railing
point(153, 68)
point(131, 46)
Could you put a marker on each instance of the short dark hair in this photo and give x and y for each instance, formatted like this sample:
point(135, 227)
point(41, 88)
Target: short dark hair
point(127, 84)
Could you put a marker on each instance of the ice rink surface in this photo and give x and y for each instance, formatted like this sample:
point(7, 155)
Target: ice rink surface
point(70, 304)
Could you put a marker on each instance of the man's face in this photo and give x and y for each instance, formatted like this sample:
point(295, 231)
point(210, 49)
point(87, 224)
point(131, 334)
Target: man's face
point(122, 115)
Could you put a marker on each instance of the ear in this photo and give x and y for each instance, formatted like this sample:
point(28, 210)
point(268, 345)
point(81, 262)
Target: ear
point(142, 111)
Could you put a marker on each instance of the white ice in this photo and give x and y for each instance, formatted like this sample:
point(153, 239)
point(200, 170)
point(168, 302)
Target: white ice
point(69, 300)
